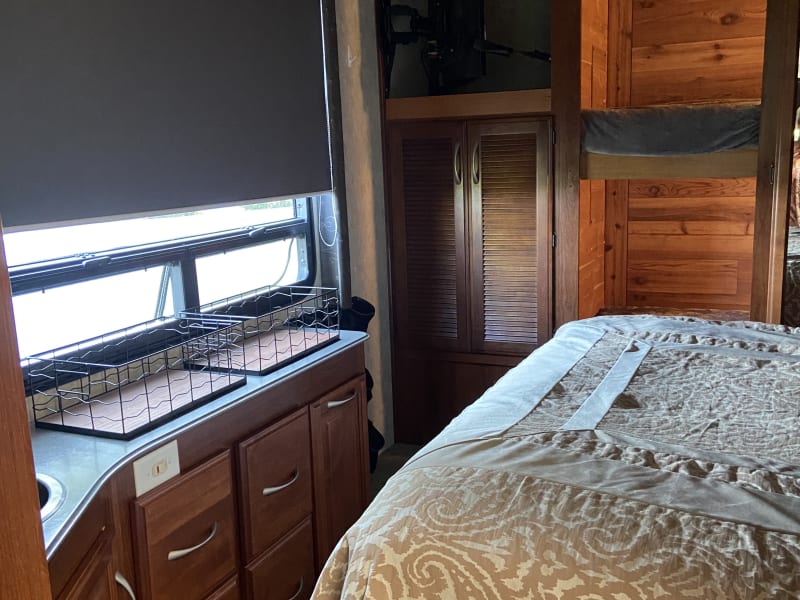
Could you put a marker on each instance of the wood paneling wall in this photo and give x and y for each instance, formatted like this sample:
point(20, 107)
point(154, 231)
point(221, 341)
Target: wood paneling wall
point(594, 94)
point(690, 243)
point(682, 243)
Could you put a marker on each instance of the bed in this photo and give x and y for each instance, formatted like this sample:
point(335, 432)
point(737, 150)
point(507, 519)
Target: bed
point(703, 140)
point(629, 457)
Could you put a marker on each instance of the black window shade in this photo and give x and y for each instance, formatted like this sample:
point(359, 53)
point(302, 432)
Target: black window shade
point(114, 107)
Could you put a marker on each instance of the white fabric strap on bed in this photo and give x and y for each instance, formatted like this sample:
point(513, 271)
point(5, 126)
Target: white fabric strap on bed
point(511, 399)
point(614, 383)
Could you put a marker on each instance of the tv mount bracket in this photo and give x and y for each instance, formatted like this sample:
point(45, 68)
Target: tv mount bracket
point(423, 28)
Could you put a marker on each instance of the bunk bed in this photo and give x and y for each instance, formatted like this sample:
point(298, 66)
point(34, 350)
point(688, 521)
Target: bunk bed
point(709, 140)
point(611, 463)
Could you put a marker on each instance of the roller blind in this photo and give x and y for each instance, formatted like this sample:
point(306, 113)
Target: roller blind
point(114, 107)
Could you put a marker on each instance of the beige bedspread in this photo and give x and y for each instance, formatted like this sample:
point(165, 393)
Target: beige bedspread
point(631, 457)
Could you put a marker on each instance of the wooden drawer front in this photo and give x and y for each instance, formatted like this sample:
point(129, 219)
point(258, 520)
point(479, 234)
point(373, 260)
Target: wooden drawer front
point(229, 591)
point(276, 484)
point(286, 571)
point(182, 515)
point(93, 579)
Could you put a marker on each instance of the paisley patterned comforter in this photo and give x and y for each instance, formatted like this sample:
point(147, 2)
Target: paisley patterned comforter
point(630, 457)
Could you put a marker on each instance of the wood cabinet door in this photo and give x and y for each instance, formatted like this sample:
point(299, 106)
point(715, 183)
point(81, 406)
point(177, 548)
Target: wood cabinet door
point(428, 227)
point(230, 590)
point(285, 571)
point(275, 473)
point(510, 234)
point(94, 579)
point(186, 533)
point(340, 462)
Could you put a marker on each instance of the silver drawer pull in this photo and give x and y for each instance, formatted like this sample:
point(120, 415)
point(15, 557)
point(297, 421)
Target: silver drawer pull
point(123, 583)
point(299, 591)
point(268, 491)
point(176, 554)
point(336, 403)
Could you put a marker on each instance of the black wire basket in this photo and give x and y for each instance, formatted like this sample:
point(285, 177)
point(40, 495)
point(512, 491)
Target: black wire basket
point(277, 325)
point(124, 383)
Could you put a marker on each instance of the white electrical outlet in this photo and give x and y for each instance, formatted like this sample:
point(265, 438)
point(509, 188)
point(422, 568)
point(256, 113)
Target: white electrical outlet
point(155, 468)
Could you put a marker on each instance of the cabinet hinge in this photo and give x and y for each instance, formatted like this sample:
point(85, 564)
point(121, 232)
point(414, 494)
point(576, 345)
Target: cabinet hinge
point(772, 174)
point(554, 136)
point(553, 241)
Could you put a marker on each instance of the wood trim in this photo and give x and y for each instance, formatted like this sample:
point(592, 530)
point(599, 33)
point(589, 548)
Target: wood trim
point(566, 85)
point(460, 106)
point(620, 30)
point(724, 165)
point(24, 573)
point(776, 139)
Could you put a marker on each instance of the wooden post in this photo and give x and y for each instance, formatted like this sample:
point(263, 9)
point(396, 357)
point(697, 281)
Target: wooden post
point(24, 568)
point(774, 159)
point(566, 86)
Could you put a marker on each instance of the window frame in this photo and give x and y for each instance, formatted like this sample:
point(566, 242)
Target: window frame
point(176, 254)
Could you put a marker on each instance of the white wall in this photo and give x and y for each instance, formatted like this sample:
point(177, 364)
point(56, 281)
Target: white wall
point(361, 126)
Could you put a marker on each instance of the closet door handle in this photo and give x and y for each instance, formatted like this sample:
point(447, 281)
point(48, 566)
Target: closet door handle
point(268, 491)
point(476, 164)
point(299, 590)
point(337, 403)
point(457, 176)
point(123, 583)
point(176, 554)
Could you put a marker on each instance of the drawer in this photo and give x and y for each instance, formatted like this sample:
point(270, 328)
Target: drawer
point(286, 571)
point(185, 533)
point(229, 591)
point(276, 492)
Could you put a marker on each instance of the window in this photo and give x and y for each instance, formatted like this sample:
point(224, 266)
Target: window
point(77, 282)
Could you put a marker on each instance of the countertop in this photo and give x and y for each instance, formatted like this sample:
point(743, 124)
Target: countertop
point(83, 463)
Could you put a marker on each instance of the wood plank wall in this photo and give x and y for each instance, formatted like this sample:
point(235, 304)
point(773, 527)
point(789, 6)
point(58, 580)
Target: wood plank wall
point(594, 94)
point(682, 243)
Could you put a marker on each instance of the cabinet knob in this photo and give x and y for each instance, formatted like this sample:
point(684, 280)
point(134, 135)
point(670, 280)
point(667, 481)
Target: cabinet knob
point(176, 554)
point(268, 491)
point(123, 583)
point(336, 403)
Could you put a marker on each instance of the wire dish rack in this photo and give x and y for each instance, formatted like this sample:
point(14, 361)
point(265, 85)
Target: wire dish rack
point(99, 388)
point(276, 326)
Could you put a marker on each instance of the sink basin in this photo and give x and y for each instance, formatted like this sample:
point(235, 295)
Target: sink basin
point(51, 493)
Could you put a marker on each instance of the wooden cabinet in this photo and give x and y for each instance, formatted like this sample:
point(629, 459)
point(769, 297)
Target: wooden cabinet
point(300, 479)
point(230, 590)
point(86, 571)
point(340, 456)
point(286, 571)
point(471, 235)
point(186, 533)
point(94, 579)
point(275, 477)
point(277, 504)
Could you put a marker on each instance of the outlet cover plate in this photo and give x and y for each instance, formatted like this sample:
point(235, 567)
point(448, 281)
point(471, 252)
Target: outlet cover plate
point(153, 469)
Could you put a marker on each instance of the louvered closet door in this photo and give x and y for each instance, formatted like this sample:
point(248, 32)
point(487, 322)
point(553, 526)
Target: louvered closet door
point(511, 232)
point(427, 228)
